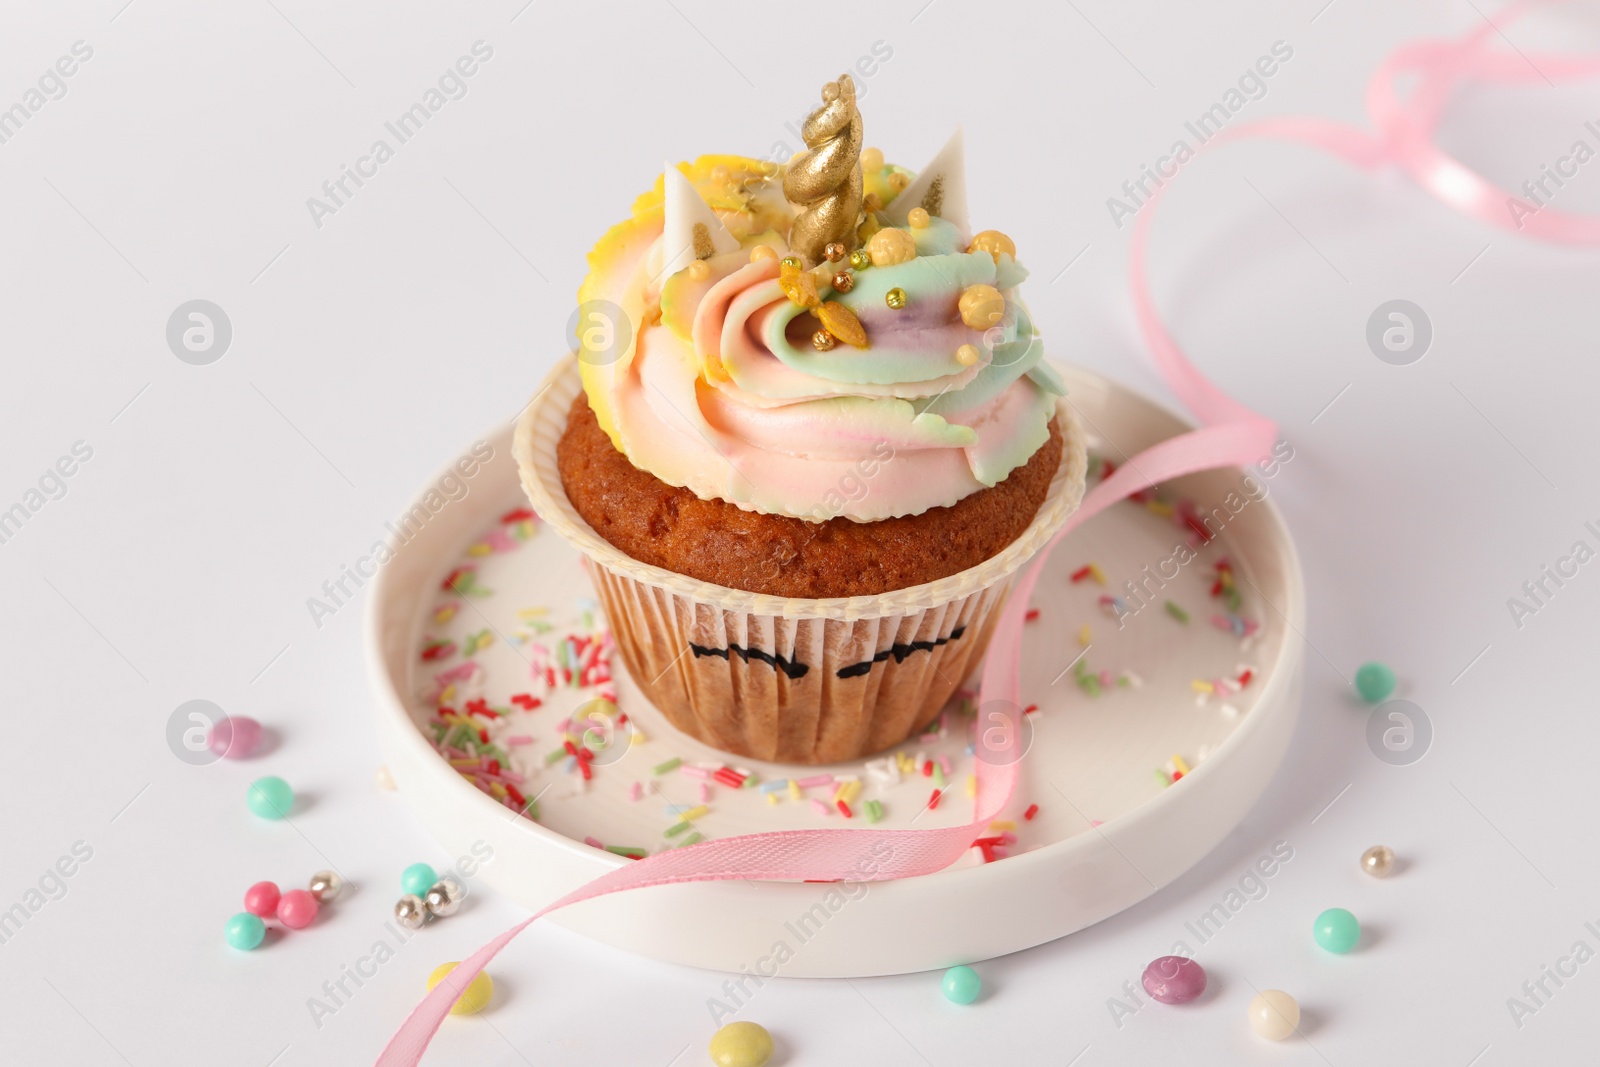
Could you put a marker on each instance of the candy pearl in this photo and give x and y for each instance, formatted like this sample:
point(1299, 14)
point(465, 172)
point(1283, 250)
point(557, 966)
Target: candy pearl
point(872, 202)
point(861, 259)
point(982, 306)
point(325, 885)
point(474, 998)
point(833, 251)
point(1378, 861)
point(790, 262)
point(416, 879)
point(890, 246)
point(898, 181)
point(1174, 979)
point(270, 797)
point(699, 270)
point(1375, 682)
point(760, 252)
point(1274, 1014)
point(235, 737)
point(823, 341)
point(410, 912)
point(244, 931)
point(967, 355)
point(741, 1045)
point(993, 242)
point(443, 898)
point(895, 298)
point(1336, 930)
point(871, 159)
point(917, 218)
point(961, 985)
point(262, 899)
point(844, 281)
point(297, 909)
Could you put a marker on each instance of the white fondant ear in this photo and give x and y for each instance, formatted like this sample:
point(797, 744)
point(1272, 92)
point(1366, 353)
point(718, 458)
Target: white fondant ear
point(691, 230)
point(941, 187)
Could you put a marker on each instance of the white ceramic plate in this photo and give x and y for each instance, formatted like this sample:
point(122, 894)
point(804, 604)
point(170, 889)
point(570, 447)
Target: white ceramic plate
point(1107, 833)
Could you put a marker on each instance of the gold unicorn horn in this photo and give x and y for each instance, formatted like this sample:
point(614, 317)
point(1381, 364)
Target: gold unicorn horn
point(824, 181)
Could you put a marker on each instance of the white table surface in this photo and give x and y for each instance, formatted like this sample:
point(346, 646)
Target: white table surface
point(218, 498)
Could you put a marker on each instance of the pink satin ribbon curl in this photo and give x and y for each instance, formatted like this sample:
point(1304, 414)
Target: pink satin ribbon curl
point(1230, 435)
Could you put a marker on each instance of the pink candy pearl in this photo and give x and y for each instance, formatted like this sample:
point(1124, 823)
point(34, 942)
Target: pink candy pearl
point(235, 737)
point(296, 909)
point(261, 899)
point(1174, 979)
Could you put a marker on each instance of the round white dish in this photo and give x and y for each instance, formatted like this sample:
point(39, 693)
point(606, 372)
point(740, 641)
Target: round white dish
point(1106, 835)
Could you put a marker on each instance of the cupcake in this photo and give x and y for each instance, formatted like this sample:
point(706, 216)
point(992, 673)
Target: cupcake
point(806, 440)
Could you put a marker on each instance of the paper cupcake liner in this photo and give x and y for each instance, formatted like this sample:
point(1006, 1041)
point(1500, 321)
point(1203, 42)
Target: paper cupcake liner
point(781, 678)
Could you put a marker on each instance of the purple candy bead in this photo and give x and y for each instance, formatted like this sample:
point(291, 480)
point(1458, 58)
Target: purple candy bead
point(1174, 979)
point(235, 737)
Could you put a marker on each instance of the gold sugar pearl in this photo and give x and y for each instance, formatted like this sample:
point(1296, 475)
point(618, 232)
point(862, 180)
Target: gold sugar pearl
point(844, 281)
point(861, 259)
point(1378, 861)
point(918, 218)
point(982, 306)
point(898, 181)
point(890, 246)
point(699, 270)
point(872, 202)
point(760, 252)
point(871, 159)
point(993, 242)
point(822, 341)
point(895, 298)
point(967, 355)
point(834, 251)
point(790, 262)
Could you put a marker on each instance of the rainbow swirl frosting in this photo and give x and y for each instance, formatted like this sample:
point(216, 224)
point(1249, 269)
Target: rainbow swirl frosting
point(714, 383)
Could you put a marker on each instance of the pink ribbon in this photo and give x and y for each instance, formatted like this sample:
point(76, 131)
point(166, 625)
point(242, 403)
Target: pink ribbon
point(1231, 435)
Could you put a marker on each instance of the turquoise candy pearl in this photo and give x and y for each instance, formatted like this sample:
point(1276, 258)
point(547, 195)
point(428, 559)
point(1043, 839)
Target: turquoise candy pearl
point(417, 879)
point(1375, 682)
point(1336, 930)
point(962, 985)
point(270, 797)
point(245, 931)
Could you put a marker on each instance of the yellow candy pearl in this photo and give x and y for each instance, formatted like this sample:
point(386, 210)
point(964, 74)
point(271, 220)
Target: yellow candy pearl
point(993, 242)
point(792, 262)
point(760, 252)
point(871, 159)
point(982, 306)
point(891, 246)
point(898, 181)
point(1274, 1014)
point(917, 217)
point(474, 998)
point(967, 355)
point(699, 270)
point(741, 1045)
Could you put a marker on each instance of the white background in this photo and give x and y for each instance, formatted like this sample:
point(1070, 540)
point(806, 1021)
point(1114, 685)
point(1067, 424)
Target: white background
point(369, 351)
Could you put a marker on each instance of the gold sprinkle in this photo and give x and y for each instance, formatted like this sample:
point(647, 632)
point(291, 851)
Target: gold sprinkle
point(842, 323)
point(703, 248)
point(933, 200)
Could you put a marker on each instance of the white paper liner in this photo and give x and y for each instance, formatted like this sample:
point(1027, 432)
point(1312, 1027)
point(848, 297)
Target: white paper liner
point(784, 678)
